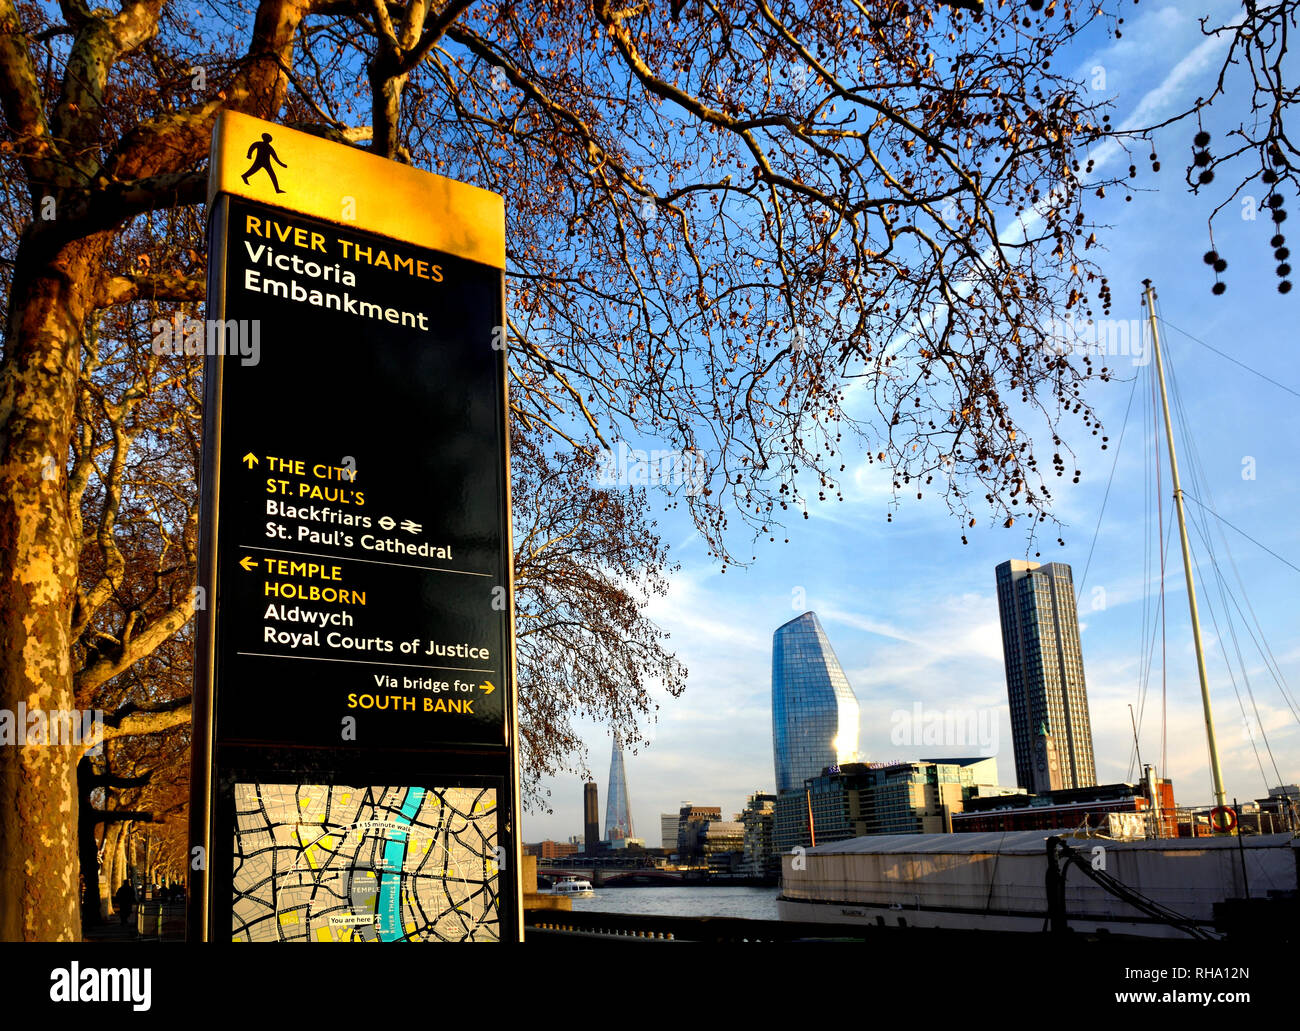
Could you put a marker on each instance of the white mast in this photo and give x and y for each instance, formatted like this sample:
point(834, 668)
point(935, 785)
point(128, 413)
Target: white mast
point(1220, 799)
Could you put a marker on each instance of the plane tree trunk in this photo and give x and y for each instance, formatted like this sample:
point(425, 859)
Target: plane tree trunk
point(51, 298)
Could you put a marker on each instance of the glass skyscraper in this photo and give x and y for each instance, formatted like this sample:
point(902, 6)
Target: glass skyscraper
point(814, 710)
point(1044, 663)
point(618, 813)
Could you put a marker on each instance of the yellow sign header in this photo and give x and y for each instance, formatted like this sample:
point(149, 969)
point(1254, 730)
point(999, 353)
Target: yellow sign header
point(294, 170)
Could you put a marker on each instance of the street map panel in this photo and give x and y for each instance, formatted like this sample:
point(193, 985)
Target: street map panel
point(328, 863)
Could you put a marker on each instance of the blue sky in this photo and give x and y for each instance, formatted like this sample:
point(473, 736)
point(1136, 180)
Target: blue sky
point(912, 612)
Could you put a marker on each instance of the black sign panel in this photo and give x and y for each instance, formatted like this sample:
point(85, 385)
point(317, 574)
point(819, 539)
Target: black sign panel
point(355, 761)
point(361, 547)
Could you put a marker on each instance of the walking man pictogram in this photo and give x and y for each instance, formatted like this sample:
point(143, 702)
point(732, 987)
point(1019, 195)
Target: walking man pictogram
point(265, 155)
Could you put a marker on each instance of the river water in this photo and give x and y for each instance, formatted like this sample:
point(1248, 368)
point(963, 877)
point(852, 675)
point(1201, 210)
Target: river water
point(747, 903)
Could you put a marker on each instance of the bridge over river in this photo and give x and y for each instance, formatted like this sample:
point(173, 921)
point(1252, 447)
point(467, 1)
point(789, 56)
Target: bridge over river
point(626, 876)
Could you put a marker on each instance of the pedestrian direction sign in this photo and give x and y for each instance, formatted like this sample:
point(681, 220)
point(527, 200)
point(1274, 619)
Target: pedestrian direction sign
point(355, 554)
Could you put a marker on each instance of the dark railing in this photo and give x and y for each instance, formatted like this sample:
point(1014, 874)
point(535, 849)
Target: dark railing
point(552, 925)
point(557, 925)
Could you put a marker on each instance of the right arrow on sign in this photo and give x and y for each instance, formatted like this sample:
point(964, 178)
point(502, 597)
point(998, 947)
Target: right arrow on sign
point(487, 687)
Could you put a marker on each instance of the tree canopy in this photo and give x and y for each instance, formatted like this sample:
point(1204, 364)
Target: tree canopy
point(745, 231)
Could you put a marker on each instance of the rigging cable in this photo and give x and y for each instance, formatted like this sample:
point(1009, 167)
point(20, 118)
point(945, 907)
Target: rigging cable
point(1239, 530)
point(1230, 358)
point(1199, 521)
point(1106, 497)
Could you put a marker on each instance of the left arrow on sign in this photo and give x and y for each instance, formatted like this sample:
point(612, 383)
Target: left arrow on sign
point(248, 563)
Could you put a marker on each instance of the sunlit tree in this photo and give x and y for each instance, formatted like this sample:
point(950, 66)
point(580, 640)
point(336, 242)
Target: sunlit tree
point(746, 231)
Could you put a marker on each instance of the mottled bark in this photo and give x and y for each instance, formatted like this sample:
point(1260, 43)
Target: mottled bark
point(38, 792)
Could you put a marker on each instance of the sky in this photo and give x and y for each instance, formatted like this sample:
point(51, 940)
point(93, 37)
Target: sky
point(912, 612)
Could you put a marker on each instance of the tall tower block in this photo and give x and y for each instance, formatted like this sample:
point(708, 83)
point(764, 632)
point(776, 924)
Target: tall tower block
point(1044, 666)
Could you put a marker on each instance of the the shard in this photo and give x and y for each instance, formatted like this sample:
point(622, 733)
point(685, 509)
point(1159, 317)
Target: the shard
point(618, 812)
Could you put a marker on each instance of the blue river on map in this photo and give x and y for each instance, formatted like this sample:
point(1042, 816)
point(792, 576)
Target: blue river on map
point(389, 906)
